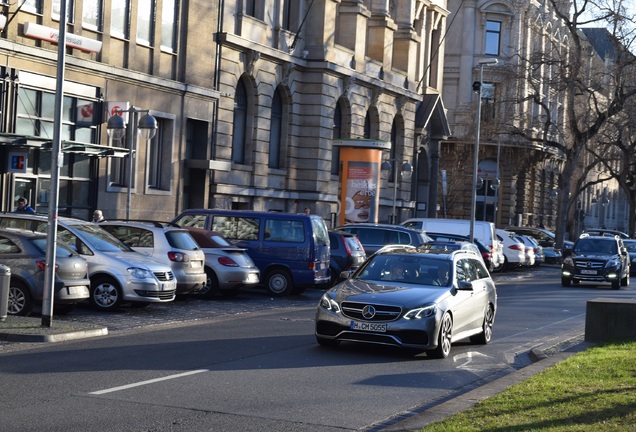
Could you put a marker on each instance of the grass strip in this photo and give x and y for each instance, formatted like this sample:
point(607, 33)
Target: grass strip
point(594, 390)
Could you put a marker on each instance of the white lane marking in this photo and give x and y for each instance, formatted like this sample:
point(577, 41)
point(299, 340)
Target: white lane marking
point(141, 383)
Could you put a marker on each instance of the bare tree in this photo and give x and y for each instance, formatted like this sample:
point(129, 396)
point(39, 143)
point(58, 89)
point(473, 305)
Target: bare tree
point(593, 90)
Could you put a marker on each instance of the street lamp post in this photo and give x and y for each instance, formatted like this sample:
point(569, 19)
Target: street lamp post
point(477, 88)
point(406, 170)
point(116, 129)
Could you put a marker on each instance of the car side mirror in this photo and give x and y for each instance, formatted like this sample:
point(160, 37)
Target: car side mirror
point(465, 286)
point(344, 275)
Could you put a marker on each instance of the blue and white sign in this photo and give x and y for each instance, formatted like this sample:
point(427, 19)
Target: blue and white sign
point(18, 162)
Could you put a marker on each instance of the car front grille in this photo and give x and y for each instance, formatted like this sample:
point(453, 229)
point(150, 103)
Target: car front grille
point(589, 264)
point(382, 312)
point(164, 276)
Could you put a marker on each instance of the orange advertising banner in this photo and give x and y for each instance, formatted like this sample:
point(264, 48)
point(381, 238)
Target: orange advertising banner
point(359, 183)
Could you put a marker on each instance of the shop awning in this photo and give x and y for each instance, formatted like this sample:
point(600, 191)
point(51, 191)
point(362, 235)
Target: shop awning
point(25, 141)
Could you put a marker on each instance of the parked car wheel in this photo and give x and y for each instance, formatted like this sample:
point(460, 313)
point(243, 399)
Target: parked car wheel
point(486, 335)
point(105, 294)
point(211, 284)
point(566, 282)
point(20, 301)
point(443, 339)
point(279, 282)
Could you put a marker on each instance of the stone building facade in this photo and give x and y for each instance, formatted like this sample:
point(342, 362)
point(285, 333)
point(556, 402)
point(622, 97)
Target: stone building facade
point(116, 55)
point(297, 75)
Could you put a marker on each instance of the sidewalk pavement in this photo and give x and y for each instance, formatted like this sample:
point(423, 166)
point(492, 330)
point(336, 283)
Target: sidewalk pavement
point(27, 329)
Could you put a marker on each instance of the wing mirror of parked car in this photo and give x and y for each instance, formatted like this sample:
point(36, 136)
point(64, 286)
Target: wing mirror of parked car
point(465, 286)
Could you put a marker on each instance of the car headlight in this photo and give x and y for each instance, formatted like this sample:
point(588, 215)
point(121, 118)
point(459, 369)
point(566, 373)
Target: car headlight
point(140, 273)
point(613, 263)
point(421, 312)
point(329, 303)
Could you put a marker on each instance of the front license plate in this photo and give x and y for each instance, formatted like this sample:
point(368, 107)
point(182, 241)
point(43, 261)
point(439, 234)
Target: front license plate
point(370, 327)
point(588, 272)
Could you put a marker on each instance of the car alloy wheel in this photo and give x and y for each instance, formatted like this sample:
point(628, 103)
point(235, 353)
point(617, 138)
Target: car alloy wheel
point(444, 338)
point(20, 302)
point(105, 294)
point(486, 335)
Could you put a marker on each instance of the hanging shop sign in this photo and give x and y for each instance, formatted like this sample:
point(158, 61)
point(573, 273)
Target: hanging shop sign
point(37, 31)
point(3, 22)
point(18, 162)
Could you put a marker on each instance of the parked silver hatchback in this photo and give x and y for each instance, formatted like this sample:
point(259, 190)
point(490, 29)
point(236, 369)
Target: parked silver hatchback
point(229, 268)
point(117, 273)
point(24, 252)
point(175, 246)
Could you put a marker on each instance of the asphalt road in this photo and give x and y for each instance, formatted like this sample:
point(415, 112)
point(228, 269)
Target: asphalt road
point(251, 364)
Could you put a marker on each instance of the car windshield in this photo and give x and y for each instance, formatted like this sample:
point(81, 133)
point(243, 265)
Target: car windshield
point(407, 269)
point(596, 246)
point(100, 239)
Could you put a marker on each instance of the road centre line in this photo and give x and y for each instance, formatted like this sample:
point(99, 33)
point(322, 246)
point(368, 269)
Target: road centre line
point(141, 383)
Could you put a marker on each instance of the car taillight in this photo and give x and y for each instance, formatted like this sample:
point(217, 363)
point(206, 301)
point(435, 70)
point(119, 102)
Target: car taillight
point(515, 247)
point(311, 265)
point(227, 261)
point(178, 257)
point(346, 245)
point(42, 265)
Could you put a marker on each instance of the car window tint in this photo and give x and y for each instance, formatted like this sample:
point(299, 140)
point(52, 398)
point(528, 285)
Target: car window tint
point(72, 241)
point(481, 271)
point(320, 230)
point(352, 242)
point(236, 228)
point(10, 222)
point(192, 220)
point(283, 230)
point(371, 236)
point(60, 249)
point(181, 240)
point(8, 247)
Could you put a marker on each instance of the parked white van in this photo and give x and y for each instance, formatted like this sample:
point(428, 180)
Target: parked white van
point(483, 231)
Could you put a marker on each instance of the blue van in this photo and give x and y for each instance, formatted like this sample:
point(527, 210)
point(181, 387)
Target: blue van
point(291, 250)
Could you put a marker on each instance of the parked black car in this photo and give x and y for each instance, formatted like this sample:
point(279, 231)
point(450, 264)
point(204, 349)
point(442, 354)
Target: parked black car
point(374, 236)
point(347, 253)
point(600, 259)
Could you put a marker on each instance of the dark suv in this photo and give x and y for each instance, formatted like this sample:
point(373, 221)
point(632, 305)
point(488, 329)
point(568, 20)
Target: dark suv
point(596, 259)
point(347, 253)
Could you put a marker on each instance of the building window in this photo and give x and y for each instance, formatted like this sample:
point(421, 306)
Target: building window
point(32, 6)
point(36, 113)
point(119, 18)
point(159, 156)
point(145, 22)
point(337, 134)
point(255, 8)
point(239, 136)
point(291, 11)
point(70, 8)
point(275, 132)
point(393, 152)
point(493, 37)
point(487, 101)
point(92, 14)
point(169, 25)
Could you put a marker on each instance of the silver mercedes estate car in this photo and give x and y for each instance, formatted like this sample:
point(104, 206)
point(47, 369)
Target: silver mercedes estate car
point(411, 298)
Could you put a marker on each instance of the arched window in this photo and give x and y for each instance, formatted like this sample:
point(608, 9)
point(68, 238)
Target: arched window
point(275, 132)
point(240, 122)
point(367, 126)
